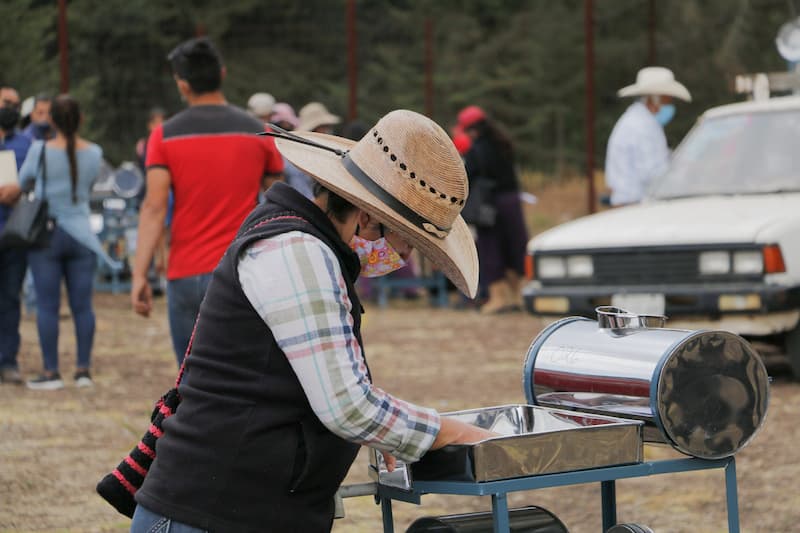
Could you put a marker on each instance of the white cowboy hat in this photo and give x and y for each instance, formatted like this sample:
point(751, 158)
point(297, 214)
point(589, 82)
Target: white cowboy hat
point(314, 115)
point(407, 173)
point(656, 81)
point(260, 104)
point(27, 106)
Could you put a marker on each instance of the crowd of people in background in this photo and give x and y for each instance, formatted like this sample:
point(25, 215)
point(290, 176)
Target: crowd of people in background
point(181, 204)
point(214, 174)
point(56, 164)
point(184, 210)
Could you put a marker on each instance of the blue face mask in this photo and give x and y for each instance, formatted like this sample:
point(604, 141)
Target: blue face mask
point(665, 114)
point(41, 130)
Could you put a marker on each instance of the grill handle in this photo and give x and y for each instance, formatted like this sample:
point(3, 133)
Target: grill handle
point(611, 317)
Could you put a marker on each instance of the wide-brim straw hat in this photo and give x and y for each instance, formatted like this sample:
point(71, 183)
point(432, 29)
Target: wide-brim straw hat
point(314, 115)
point(656, 81)
point(406, 173)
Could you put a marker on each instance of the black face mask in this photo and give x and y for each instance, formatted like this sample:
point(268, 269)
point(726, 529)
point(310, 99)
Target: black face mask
point(9, 116)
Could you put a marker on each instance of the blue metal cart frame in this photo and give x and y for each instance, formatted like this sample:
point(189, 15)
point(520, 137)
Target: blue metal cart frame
point(606, 476)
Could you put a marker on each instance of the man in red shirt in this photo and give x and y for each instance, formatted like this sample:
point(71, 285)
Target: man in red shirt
point(211, 161)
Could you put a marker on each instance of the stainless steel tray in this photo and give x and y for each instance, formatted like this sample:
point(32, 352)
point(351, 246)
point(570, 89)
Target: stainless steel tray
point(532, 440)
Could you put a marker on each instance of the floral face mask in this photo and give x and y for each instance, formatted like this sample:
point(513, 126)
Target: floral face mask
point(378, 257)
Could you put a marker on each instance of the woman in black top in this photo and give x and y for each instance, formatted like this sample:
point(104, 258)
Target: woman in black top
point(501, 245)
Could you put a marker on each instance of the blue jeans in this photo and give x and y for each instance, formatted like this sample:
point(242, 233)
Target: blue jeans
point(68, 259)
point(184, 296)
point(146, 521)
point(13, 263)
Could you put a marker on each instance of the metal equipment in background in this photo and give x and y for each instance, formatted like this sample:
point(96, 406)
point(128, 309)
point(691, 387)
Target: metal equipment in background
point(114, 204)
point(523, 520)
point(759, 86)
point(703, 392)
point(600, 389)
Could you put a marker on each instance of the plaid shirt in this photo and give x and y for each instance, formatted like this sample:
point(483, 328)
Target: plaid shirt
point(295, 284)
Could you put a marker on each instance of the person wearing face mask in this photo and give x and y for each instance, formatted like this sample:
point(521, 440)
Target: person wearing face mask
point(40, 128)
point(276, 394)
point(12, 260)
point(637, 151)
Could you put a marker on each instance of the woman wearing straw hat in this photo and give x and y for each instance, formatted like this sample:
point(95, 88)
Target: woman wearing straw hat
point(277, 395)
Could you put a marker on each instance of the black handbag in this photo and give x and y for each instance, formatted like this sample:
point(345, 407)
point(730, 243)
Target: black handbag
point(29, 225)
point(479, 209)
point(120, 486)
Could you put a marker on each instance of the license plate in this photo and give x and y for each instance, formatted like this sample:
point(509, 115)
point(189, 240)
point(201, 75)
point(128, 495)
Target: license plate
point(641, 304)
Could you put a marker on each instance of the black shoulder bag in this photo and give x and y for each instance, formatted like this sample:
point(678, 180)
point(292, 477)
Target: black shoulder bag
point(29, 225)
point(120, 486)
point(479, 209)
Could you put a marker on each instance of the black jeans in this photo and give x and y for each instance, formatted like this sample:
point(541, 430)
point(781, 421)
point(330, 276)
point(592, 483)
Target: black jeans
point(13, 263)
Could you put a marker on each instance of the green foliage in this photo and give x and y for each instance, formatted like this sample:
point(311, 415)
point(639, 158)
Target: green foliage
point(28, 46)
point(523, 60)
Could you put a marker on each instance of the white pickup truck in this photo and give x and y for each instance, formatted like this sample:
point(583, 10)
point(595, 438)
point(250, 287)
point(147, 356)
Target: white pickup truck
point(715, 244)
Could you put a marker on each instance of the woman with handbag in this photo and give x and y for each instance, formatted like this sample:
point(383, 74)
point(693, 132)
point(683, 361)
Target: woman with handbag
point(502, 235)
point(63, 170)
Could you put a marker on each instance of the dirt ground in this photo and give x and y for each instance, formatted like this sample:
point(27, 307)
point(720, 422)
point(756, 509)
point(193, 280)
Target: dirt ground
point(54, 446)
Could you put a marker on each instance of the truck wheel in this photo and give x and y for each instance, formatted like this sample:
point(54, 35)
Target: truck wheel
point(792, 344)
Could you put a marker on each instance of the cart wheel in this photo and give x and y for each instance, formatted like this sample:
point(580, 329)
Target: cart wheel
point(629, 528)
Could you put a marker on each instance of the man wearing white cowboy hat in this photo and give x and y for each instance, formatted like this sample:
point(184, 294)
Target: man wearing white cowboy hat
point(276, 395)
point(637, 149)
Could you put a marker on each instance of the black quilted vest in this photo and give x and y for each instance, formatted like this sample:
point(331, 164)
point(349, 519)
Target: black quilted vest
point(244, 451)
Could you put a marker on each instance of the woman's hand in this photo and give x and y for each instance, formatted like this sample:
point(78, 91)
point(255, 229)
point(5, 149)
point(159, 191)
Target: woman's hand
point(390, 460)
point(451, 432)
point(454, 431)
point(9, 194)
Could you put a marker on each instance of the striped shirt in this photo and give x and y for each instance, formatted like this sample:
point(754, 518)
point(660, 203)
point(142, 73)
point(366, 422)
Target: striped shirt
point(295, 283)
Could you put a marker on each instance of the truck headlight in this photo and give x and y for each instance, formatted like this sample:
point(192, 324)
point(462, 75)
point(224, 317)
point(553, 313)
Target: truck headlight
point(748, 262)
point(551, 267)
point(580, 266)
point(716, 262)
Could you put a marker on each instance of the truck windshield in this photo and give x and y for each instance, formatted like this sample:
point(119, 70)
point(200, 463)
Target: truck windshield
point(751, 153)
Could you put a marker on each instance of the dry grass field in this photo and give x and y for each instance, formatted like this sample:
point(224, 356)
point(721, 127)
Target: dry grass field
point(54, 446)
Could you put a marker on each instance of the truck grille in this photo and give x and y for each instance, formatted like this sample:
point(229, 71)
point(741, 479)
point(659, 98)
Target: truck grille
point(646, 266)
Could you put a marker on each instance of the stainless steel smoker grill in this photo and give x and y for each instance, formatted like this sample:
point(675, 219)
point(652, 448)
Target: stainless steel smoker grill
point(597, 390)
point(703, 392)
